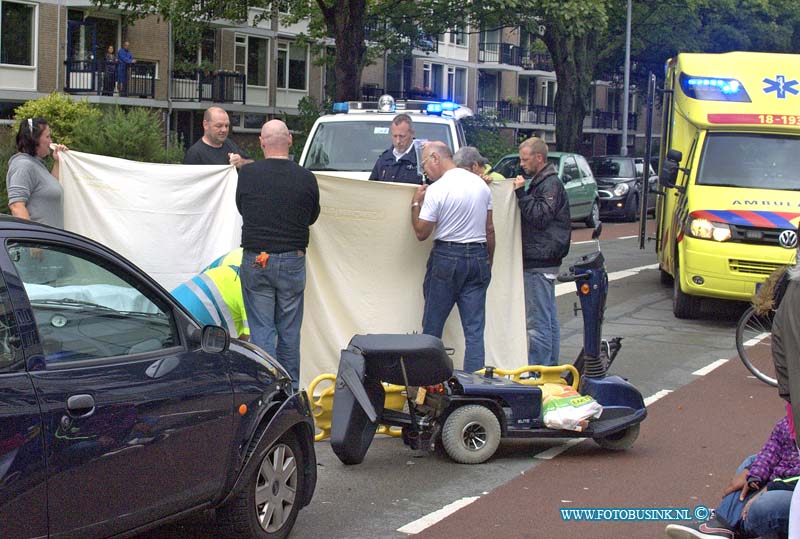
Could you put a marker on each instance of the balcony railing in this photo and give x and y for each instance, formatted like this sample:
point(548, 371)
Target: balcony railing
point(612, 120)
point(537, 61)
point(535, 114)
point(106, 78)
point(499, 53)
point(199, 85)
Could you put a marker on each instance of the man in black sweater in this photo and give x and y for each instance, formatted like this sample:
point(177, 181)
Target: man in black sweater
point(214, 147)
point(279, 201)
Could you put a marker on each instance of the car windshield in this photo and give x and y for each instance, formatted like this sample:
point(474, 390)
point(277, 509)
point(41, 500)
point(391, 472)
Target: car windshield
point(750, 160)
point(611, 167)
point(355, 146)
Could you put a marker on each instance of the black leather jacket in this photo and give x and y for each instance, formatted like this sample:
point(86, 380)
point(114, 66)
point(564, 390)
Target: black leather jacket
point(546, 225)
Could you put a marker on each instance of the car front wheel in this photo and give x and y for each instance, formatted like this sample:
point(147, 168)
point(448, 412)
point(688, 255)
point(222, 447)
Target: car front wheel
point(594, 216)
point(267, 507)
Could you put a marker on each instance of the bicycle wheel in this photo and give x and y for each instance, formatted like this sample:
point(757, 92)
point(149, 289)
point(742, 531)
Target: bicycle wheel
point(754, 344)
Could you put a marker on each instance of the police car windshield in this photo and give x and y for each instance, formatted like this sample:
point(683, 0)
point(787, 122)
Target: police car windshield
point(356, 145)
point(750, 160)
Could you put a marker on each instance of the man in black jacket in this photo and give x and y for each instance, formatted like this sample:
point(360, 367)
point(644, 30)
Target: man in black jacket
point(546, 231)
point(398, 163)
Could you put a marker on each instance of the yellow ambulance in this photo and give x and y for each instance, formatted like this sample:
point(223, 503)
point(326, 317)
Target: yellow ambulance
point(729, 206)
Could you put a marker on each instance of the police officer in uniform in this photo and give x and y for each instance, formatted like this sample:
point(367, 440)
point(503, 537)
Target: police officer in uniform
point(398, 163)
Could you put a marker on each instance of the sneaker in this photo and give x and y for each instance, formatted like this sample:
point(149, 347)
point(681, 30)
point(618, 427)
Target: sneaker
point(710, 529)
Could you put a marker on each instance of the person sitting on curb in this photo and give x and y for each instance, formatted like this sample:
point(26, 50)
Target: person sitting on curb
point(756, 501)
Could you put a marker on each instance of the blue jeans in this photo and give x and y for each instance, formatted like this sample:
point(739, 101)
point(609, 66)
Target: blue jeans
point(541, 319)
point(458, 274)
point(768, 516)
point(273, 300)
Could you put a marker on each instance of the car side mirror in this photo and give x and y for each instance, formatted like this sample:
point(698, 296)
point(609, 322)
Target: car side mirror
point(670, 167)
point(214, 339)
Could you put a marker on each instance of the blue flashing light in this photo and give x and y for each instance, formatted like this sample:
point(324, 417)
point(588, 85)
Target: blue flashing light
point(713, 89)
point(434, 108)
point(449, 105)
point(341, 107)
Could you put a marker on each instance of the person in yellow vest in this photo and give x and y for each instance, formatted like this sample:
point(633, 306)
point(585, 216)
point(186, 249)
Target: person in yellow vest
point(215, 297)
point(470, 158)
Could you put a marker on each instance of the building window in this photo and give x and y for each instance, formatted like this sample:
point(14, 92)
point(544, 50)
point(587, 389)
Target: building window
point(457, 84)
point(251, 59)
point(254, 121)
point(292, 66)
point(458, 35)
point(17, 33)
point(187, 58)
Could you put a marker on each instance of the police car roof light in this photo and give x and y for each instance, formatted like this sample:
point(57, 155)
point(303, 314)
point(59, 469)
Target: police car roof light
point(449, 105)
point(341, 107)
point(434, 109)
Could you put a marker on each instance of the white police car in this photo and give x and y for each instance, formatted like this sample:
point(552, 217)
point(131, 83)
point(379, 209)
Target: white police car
point(348, 142)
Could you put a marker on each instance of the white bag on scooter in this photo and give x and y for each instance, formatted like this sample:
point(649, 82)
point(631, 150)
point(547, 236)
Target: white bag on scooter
point(565, 408)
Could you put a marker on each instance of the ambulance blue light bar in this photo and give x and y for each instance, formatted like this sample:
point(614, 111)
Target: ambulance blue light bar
point(341, 107)
point(713, 89)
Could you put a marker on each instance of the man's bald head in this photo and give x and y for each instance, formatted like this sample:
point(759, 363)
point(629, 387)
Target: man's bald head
point(437, 158)
point(275, 139)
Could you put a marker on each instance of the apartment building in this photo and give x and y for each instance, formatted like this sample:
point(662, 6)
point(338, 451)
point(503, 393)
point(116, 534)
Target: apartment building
point(259, 71)
point(508, 72)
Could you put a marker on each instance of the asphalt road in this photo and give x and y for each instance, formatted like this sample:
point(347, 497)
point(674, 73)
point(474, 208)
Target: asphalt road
point(395, 486)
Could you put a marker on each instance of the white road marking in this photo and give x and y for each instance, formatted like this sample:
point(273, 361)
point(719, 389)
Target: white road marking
point(757, 339)
point(566, 288)
point(553, 452)
point(429, 520)
point(656, 396)
point(710, 367)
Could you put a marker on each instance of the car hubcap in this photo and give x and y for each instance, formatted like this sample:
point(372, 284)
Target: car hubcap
point(276, 487)
point(474, 436)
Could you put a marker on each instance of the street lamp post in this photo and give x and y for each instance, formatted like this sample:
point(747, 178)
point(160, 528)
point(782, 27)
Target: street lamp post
point(626, 87)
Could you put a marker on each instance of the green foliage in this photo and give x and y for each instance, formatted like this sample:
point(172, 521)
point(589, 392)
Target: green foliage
point(130, 133)
point(483, 132)
point(309, 109)
point(66, 118)
point(7, 149)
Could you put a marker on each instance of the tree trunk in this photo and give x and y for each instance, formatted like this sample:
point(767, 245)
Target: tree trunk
point(574, 58)
point(346, 22)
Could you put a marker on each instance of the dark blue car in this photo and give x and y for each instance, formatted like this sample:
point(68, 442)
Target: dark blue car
point(118, 411)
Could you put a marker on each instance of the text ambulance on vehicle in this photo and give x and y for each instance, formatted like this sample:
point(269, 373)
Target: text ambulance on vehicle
point(729, 168)
point(348, 142)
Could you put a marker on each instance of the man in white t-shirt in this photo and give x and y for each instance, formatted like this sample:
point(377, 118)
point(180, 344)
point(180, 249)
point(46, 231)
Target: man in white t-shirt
point(457, 210)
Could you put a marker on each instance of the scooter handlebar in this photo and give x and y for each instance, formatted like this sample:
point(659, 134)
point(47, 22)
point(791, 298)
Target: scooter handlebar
point(572, 277)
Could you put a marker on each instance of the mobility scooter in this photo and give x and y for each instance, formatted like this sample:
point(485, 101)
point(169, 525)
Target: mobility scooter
point(466, 414)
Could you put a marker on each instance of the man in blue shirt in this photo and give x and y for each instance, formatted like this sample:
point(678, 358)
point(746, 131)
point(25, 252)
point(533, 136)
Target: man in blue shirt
point(398, 163)
point(124, 59)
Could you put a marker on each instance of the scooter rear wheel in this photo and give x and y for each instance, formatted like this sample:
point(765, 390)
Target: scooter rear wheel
point(471, 434)
point(620, 440)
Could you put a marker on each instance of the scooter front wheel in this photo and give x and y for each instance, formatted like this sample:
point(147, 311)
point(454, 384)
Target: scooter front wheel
point(471, 434)
point(620, 440)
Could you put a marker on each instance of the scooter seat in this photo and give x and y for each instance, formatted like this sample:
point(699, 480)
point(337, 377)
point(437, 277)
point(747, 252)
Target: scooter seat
point(424, 358)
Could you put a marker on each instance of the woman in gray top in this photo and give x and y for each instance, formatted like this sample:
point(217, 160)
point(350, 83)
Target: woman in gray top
point(33, 192)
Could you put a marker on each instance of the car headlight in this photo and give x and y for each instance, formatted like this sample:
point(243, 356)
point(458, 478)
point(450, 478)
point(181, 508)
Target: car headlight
point(709, 230)
point(621, 189)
